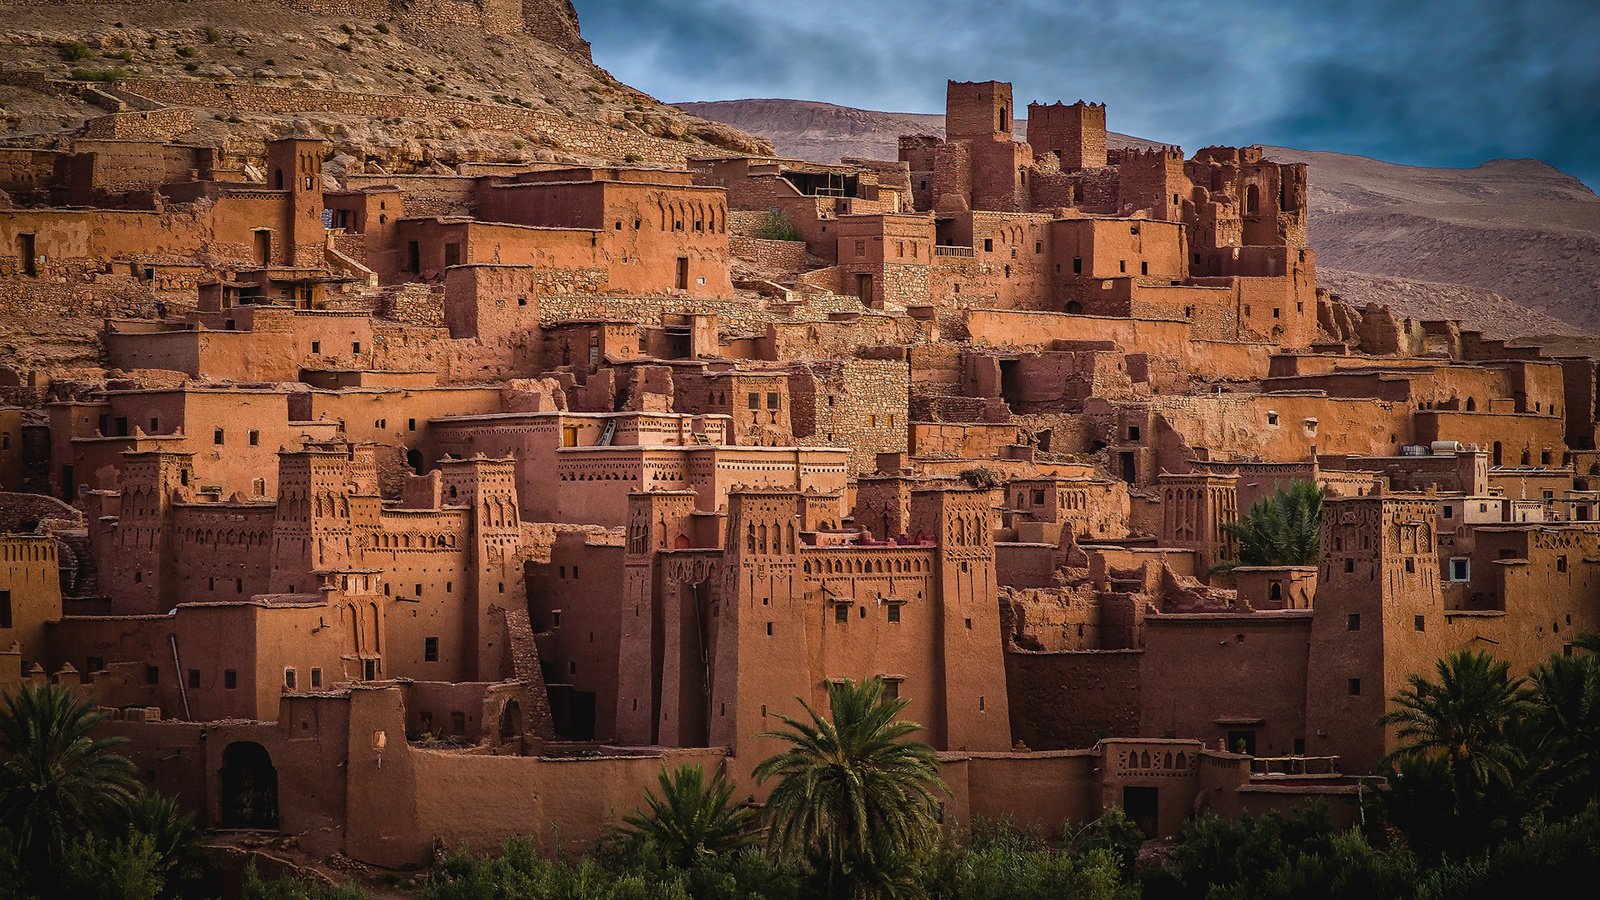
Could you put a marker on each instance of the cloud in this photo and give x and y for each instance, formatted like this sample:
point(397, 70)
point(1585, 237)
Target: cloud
point(1430, 82)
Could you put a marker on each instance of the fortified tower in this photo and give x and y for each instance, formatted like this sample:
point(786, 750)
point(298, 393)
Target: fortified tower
point(1377, 596)
point(488, 487)
point(977, 110)
point(152, 482)
point(1076, 133)
point(319, 486)
point(657, 520)
point(295, 165)
point(976, 711)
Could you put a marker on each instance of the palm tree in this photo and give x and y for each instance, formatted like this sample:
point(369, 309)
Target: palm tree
point(1281, 530)
point(58, 780)
point(1566, 697)
point(693, 820)
point(854, 793)
point(173, 839)
point(1466, 718)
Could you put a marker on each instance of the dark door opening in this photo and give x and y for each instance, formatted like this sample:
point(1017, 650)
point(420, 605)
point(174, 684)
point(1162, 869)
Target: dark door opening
point(414, 460)
point(264, 247)
point(413, 256)
point(27, 249)
point(581, 716)
point(1130, 469)
point(682, 281)
point(1009, 380)
point(1143, 806)
point(511, 722)
point(249, 787)
point(1495, 461)
point(69, 484)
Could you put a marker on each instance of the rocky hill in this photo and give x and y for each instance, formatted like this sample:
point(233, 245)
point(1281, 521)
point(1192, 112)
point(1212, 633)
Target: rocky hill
point(1511, 246)
point(402, 84)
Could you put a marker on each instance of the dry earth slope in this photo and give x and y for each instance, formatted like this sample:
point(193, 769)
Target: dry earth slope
point(1511, 246)
point(342, 46)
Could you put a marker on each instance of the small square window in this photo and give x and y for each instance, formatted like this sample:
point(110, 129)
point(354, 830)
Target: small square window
point(1352, 622)
point(1419, 623)
point(894, 612)
point(255, 438)
point(316, 678)
point(988, 245)
point(754, 400)
point(430, 649)
point(841, 613)
point(152, 674)
point(230, 679)
point(218, 436)
point(772, 400)
point(194, 678)
point(1349, 565)
point(1354, 687)
point(289, 678)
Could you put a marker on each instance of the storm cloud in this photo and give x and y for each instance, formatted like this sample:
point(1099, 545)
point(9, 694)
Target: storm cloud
point(1426, 83)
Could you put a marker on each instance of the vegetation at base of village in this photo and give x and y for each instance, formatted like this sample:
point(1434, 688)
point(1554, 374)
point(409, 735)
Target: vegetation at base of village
point(1494, 792)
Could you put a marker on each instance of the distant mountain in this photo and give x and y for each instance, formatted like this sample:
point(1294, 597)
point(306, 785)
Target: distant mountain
point(1511, 247)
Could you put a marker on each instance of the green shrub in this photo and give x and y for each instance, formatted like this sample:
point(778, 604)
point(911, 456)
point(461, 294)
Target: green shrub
point(104, 75)
point(73, 51)
point(776, 226)
point(212, 34)
point(186, 52)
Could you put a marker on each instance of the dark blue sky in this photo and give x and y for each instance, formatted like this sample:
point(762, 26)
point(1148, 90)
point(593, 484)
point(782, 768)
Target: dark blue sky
point(1427, 82)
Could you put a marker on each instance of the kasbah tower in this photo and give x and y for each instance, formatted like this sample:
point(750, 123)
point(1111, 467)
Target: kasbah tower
point(398, 503)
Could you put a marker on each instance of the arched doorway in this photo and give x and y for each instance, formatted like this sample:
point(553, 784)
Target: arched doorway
point(511, 722)
point(414, 460)
point(249, 787)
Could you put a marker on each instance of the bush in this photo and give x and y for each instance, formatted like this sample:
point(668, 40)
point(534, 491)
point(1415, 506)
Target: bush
point(257, 888)
point(776, 226)
point(212, 34)
point(186, 52)
point(1545, 861)
point(1279, 857)
point(73, 51)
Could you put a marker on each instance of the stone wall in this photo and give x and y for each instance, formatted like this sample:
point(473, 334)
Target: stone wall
point(146, 125)
point(855, 403)
point(783, 258)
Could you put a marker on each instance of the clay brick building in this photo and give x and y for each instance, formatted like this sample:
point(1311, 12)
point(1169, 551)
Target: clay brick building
point(527, 479)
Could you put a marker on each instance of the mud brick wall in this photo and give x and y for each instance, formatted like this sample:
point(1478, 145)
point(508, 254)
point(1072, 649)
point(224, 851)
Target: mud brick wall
point(1072, 698)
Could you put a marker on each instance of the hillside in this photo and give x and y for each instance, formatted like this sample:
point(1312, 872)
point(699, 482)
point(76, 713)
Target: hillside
point(425, 84)
point(1511, 247)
